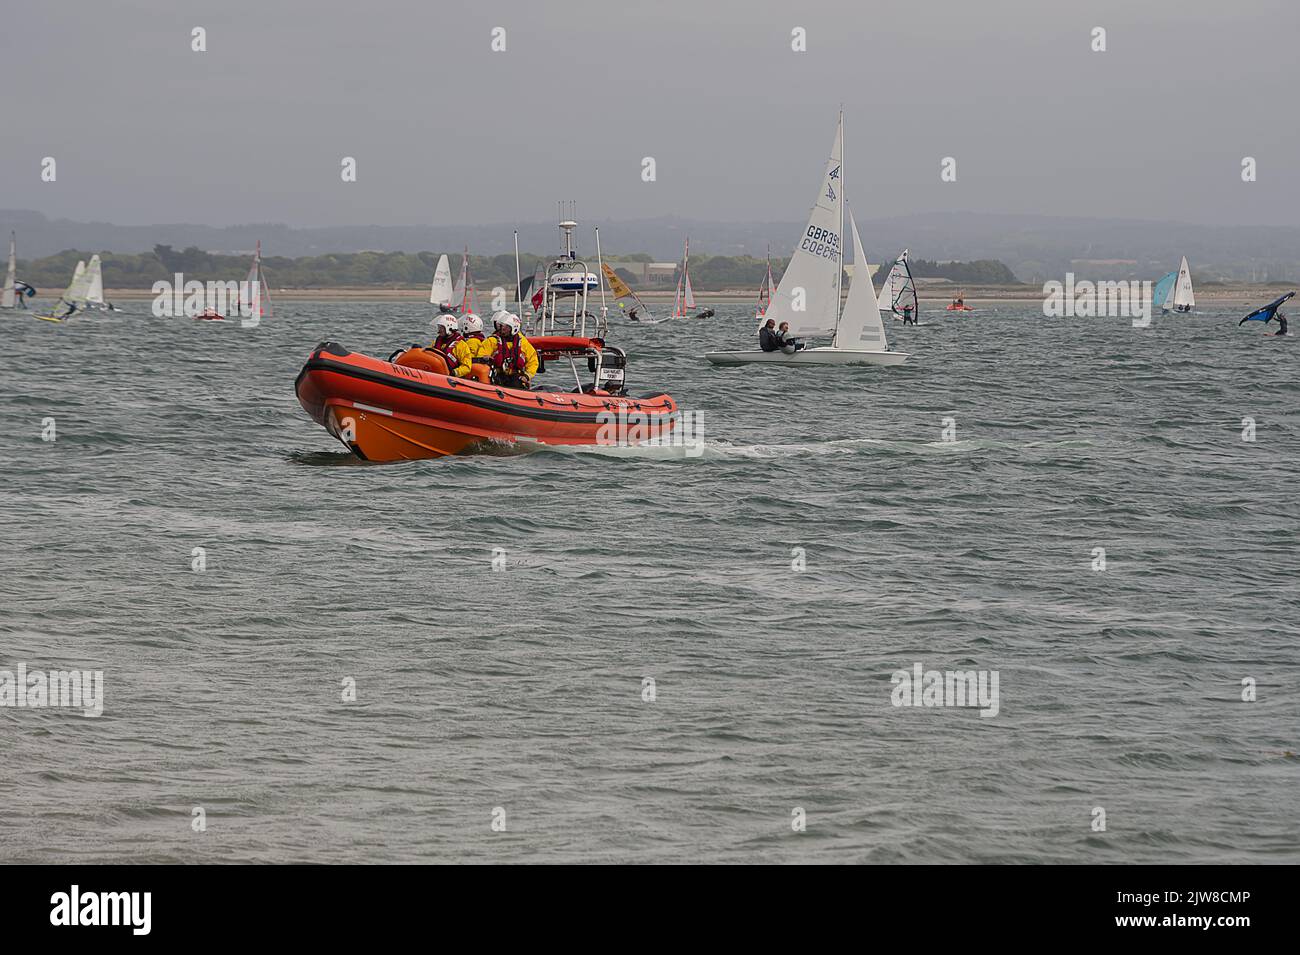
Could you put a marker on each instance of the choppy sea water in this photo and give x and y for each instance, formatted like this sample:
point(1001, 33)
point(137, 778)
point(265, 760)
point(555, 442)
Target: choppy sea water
point(523, 690)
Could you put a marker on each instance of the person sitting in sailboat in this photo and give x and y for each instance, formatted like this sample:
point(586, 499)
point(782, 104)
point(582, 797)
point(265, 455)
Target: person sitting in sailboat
point(767, 339)
point(510, 355)
point(468, 347)
point(447, 329)
point(785, 342)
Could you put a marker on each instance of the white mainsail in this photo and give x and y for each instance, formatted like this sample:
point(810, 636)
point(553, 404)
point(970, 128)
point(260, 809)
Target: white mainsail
point(11, 273)
point(79, 286)
point(95, 281)
point(860, 326)
point(1182, 296)
point(808, 296)
point(441, 292)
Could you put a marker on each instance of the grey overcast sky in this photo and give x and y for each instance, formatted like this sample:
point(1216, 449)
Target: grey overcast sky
point(446, 131)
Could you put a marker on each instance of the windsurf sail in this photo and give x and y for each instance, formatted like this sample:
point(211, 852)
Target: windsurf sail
point(860, 326)
point(1162, 295)
point(440, 292)
point(622, 290)
point(11, 274)
point(1268, 312)
point(1183, 298)
point(95, 281)
point(898, 290)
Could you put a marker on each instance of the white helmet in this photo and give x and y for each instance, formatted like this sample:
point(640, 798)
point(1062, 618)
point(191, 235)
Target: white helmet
point(446, 324)
point(507, 320)
point(471, 324)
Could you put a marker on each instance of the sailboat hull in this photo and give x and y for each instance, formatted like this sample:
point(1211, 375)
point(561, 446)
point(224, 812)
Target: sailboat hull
point(388, 412)
point(825, 355)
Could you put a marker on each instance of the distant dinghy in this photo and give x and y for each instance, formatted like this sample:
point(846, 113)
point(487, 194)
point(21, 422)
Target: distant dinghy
point(1173, 293)
point(441, 291)
point(814, 280)
point(259, 294)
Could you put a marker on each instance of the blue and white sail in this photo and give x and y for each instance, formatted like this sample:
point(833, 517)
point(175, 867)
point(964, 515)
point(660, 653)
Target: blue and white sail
point(1162, 296)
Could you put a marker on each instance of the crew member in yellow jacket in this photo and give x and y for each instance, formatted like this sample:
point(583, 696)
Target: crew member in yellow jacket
point(511, 356)
point(467, 349)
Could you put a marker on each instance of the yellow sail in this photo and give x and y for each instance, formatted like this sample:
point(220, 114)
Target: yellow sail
point(616, 284)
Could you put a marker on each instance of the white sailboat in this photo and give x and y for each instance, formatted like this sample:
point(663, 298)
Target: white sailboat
point(7, 297)
point(808, 296)
point(1181, 298)
point(255, 296)
point(441, 291)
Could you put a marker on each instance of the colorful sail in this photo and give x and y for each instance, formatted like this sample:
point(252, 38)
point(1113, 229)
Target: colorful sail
point(1162, 296)
point(684, 298)
point(766, 289)
point(622, 290)
point(463, 295)
point(1268, 312)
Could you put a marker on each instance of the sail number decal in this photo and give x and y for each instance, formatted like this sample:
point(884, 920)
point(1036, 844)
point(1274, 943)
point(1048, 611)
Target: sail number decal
point(822, 243)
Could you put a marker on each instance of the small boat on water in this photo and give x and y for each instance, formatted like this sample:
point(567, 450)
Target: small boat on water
point(1174, 290)
point(441, 291)
point(808, 296)
point(258, 304)
point(409, 406)
point(959, 303)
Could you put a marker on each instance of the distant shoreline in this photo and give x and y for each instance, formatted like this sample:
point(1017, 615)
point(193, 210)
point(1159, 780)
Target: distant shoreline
point(1238, 293)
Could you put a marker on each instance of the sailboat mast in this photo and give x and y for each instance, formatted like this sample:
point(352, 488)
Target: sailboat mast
point(519, 297)
point(839, 274)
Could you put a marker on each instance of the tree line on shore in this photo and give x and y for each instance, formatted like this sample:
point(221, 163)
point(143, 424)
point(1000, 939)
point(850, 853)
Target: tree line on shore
point(407, 269)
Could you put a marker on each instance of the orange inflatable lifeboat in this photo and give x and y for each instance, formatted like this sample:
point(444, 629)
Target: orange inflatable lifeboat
point(409, 407)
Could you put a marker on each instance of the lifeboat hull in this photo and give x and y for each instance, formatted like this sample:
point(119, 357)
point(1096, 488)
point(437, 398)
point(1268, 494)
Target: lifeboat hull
point(388, 412)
